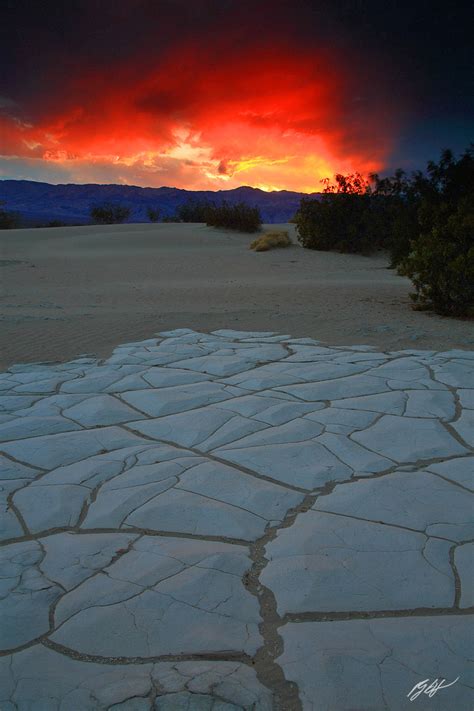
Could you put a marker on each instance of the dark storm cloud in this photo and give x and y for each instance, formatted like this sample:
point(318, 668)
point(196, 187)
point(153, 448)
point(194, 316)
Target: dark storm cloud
point(408, 63)
point(424, 44)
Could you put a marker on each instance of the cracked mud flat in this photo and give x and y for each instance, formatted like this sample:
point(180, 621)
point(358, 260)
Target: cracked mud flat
point(237, 520)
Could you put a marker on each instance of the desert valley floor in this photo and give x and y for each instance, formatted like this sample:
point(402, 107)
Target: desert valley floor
point(66, 291)
point(202, 512)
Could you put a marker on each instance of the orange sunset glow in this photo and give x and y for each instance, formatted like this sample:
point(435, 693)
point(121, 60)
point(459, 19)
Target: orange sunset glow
point(201, 118)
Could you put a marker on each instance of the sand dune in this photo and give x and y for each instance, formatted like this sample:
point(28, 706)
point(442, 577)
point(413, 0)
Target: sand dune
point(67, 291)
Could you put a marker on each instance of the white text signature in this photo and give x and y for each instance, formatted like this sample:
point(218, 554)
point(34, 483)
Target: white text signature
point(429, 688)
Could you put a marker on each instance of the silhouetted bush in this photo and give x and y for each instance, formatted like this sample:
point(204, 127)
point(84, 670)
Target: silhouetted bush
point(56, 223)
point(353, 215)
point(340, 219)
point(153, 214)
point(237, 217)
point(8, 220)
point(335, 223)
point(441, 258)
point(425, 221)
point(240, 217)
point(194, 211)
point(110, 214)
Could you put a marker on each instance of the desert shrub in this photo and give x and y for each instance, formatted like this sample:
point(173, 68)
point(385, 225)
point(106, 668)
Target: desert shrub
point(153, 214)
point(441, 258)
point(171, 218)
point(402, 229)
point(271, 240)
point(353, 215)
point(339, 219)
point(425, 221)
point(441, 265)
point(240, 217)
point(193, 211)
point(352, 184)
point(110, 213)
point(358, 216)
point(399, 197)
point(8, 220)
point(335, 222)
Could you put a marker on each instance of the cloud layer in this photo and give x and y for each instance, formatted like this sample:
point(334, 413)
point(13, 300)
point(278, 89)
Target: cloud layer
point(197, 95)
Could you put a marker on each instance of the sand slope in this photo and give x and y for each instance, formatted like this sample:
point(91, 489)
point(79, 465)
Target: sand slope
point(67, 291)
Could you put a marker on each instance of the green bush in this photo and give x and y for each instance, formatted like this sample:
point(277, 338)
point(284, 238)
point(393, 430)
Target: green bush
point(56, 223)
point(153, 214)
point(241, 217)
point(441, 259)
point(335, 222)
point(193, 211)
point(110, 214)
point(237, 217)
point(441, 266)
point(342, 219)
point(426, 222)
point(403, 228)
point(356, 217)
point(8, 220)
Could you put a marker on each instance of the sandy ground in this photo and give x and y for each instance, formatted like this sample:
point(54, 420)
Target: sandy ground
point(75, 290)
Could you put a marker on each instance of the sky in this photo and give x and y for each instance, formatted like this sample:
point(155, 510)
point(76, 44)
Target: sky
point(214, 94)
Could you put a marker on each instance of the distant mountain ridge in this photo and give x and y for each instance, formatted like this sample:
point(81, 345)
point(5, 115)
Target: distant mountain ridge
point(43, 202)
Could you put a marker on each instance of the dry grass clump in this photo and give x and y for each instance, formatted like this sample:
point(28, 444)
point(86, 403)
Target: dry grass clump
point(271, 240)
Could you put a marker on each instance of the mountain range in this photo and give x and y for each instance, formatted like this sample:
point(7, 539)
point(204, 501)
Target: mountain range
point(39, 203)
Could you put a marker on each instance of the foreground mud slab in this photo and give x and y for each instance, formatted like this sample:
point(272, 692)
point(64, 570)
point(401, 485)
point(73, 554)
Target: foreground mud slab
point(237, 520)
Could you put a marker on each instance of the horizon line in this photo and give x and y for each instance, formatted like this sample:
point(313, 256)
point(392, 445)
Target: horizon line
point(161, 187)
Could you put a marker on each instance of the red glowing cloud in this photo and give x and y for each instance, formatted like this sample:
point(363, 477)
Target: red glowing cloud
point(199, 117)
